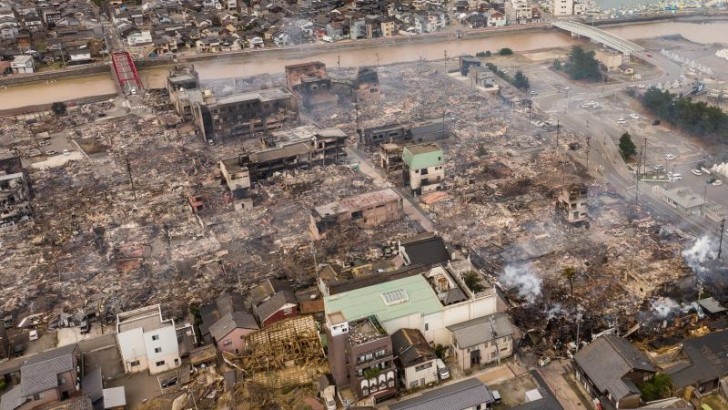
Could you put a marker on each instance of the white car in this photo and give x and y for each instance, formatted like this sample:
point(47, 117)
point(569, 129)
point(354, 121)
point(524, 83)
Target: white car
point(533, 92)
point(717, 182)
point(634, 116)
point(544, 360)
point(442, 371)
point(621, 121)
point(696, 172)
point(669, 156)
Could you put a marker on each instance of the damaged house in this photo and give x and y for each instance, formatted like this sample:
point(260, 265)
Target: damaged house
point(14, 190)
point(571, 204)
point(365, 210)
point(271, 302)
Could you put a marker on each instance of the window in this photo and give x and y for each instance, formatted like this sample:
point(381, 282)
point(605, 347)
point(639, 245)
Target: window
point(159, 363)
point(380, 353)
point(427, 327)
point(414, 384)
point(157, 350)
point(369, 356)
point(423, 366)
point(155, 337)
point(424, 171)
point(134, 363)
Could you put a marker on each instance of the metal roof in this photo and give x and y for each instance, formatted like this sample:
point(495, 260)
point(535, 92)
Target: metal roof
point(478, 331)
point(41, 371)
point(358, 202)
point(231, 321)
point(462, 395)
point(708, 357)
point(368, 301)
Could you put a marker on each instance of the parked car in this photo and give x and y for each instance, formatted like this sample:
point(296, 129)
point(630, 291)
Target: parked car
point(717, 182)
point(696, 172)
point(33, 335)
point(85, 326)
point(634, 116)
point(328, 395)
point(442, 370)
point(533, 92)
point(669, 156)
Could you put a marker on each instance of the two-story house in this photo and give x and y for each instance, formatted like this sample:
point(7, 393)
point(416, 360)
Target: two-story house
point(147, 341)
point(424, 167)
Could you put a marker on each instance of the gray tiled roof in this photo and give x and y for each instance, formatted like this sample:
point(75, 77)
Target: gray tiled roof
point(40, 372)
point(411, 347)
point(272, 305)
point(607, 360)
point(462, 395)
point(231, 321)
point(477, 331)
point(12, 399)
point(708, 360)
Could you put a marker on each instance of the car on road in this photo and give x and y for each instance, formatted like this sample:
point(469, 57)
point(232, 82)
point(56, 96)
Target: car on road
point(634, 116)
point(696, 172)
point(533, 92)
point(51, 152)
point(621, 121)
point(669, 156)
point(33, 335)
point(717, 182)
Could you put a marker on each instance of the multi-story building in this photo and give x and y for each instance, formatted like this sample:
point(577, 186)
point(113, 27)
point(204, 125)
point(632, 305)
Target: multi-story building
point(389, 28)
point(242, 114)
point(482, 340)
point(572, 202)
point(562, 7)
point(14, 190)
point(518, 11)
point(296, 72)
point(365, 210)
point(423, 168)
point(367, 85)
point(147, 341)
point(360, 356)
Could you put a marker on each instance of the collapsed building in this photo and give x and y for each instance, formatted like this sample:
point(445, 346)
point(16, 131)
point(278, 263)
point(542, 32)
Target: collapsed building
point(311, 82)
point(366, 85)
point(425, 131)
point(14, 190)
point(292, 149)
point(365, 210)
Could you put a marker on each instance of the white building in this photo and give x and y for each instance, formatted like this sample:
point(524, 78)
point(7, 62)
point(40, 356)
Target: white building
point(147, 341)
point(518, 11)
point(562, 7)
point(22, 65)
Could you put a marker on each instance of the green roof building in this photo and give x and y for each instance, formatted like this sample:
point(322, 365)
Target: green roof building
point(423, 168)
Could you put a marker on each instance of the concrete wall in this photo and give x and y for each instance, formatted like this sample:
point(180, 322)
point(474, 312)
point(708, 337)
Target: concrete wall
point(132, 348)
point(166, 342)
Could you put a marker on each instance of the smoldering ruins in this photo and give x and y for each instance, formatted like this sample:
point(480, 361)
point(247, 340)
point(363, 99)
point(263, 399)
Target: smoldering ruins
point(177, 203)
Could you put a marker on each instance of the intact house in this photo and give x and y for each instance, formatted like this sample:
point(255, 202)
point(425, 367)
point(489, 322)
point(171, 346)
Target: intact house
point(45, 378)
point(225, 304)
point(230, 330)
point(360, 356)
point(469, 394)
point(482, 340)
point(271, 302)
point(23, 64)
point(704, 364)
point(423, 168)
point(147, 341)
point(365, 210)
point(682, 199)
point(415, 358)
point(610, 368)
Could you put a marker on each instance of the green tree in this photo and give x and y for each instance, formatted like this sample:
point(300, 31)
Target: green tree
point(520, 81)
point(59, 108)
point(659, 387)
point(505, 51)
point(557, 64)
point(697, 118)
point(583, 65)
point(472, 281)
point(626, 146)
point(487, 53)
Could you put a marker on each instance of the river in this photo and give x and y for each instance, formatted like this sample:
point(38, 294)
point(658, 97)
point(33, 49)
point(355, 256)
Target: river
point(39, 93)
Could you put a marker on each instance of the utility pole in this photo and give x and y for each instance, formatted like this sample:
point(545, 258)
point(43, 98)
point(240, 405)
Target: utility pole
point(131, 179)
point(722, 229)
point(338, 61)
point(558, 128)
point(377, 59)
point(445, 62)
point(588, 148)
point(644, 157)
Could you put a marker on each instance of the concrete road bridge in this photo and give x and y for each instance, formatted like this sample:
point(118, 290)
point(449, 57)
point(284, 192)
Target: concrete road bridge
point(597, 35)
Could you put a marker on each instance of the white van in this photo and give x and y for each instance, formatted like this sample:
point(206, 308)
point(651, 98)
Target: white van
point(442, 370)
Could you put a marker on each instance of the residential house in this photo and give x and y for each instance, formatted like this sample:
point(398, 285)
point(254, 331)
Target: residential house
point(423, 169)
point(464, 395)
point(228, 332)
point(562, 7)
point(476, 20)
point(80, 56)
point(358, 29)
point(415, 358)
point(147, 341)
point(482, 340)
point(365, 210)
point(682, 199)
point(23, 64)
point(45, 378)
point(225, 304)
point(360, 356)
point(279, 306)
point(495, 18)
point(426, 249)
point(366, 85)
point(611, 368)
point(705, 365)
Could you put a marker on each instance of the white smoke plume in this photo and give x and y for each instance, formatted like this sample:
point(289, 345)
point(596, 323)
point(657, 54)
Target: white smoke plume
point(555, 311)
point(523, 278)
point(663, 306)
point(703, 248)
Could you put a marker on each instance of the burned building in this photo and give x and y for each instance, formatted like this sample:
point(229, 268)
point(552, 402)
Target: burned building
point(14, 190)
point(297, 72)
point(243, 113)
point(367, 85)
point(303, 146)
point(466, 63)
point(317, 93)
point(366, 210)
point(423, 169)
point(571, 204)
point(361, 356)
point(390, 157)
point(182, 76)
point(390, 133)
